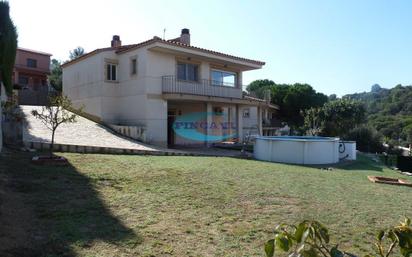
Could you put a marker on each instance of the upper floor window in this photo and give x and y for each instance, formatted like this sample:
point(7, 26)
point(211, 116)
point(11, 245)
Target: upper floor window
point(32, 63)
point(223, 78)
point(133, 66)
point(188, 71)
point(111, 72)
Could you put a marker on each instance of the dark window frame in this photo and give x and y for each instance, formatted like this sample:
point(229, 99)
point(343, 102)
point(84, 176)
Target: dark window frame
point(133, 66)
point(187, 75)
point(32, 63)
point(111, 72)
point(221, 81)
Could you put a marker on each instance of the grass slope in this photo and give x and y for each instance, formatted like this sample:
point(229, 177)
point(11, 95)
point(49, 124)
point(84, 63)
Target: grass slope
point(113, 205)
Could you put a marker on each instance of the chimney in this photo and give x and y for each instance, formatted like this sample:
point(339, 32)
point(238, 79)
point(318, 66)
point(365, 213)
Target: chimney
point(116, 41)
point(185, 37)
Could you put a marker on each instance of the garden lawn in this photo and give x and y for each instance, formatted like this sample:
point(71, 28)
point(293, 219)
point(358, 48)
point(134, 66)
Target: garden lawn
point(117, 205)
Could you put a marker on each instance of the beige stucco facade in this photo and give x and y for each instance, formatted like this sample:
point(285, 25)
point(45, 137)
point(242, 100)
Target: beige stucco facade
point(141, 100)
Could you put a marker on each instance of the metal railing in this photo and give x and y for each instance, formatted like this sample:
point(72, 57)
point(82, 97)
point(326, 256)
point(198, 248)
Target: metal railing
point(170, 84)
point(40, 69)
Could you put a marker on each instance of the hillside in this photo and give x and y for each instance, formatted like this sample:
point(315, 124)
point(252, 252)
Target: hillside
point(389, 111)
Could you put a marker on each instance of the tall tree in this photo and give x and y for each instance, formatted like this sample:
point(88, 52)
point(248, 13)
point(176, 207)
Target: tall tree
point(55, 76)
point(8, 46)
point(292, 99)
point(76, 53)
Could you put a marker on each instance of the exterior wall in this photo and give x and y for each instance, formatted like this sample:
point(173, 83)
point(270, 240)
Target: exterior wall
point(82, 83)
point(184, 108)
point(43, 61)
point(133, 100)
point(252, 120)
point(37, 77)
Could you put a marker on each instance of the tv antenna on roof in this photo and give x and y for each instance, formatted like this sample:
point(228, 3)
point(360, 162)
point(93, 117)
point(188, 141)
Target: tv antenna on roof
point(164, 33)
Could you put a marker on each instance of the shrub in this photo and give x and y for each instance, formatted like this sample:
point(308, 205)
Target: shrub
point(367, 139)
point(311, 239)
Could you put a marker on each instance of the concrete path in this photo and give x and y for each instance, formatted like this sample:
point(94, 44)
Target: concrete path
point(84, 133)
point(87, 133)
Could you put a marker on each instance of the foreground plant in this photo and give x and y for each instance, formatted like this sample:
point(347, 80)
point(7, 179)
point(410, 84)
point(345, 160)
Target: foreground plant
point(54, 114)
point(311, 239)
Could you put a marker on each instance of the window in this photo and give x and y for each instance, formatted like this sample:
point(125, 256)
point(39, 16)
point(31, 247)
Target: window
point(187, 71)
point(133, 66)
point(111, 72)
point(223, 78)
point(23, 80)
point(32, 63)
point(246, 113)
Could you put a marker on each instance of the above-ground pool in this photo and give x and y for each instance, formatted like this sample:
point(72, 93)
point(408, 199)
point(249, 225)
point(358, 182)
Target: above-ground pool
point(297, 149)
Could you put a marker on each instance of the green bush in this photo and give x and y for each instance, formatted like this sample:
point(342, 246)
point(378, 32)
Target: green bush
point(367, 139)
point(312, 239)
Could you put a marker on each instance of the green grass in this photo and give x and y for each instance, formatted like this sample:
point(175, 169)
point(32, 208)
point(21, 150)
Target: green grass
point(113, 205)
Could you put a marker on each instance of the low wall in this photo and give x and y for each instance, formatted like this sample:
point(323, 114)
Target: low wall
point(95, 149)
point(135, 132)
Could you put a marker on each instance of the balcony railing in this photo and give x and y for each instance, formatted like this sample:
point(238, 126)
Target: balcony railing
point(38, 69)
point(170, 84)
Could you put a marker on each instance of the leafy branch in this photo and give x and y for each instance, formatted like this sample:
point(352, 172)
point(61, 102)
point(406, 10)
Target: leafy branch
point(311, 239)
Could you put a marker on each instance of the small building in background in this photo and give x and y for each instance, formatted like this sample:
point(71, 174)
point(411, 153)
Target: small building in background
point(30, 73)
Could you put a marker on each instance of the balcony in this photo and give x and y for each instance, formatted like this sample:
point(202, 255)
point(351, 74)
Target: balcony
point(22, 67)
point(171, 85)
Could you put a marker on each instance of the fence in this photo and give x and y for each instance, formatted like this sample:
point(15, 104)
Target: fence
point(35, 97)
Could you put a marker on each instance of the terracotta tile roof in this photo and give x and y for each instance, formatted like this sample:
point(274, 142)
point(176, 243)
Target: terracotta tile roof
point(251, 98)
point(87, 55)
point(126, 48)
point(176, 43)
point(33, 51)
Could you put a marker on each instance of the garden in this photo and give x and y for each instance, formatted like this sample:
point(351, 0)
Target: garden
point(118, 205)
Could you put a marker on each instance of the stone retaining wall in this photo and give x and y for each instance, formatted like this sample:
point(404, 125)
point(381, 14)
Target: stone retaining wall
point(103, 150)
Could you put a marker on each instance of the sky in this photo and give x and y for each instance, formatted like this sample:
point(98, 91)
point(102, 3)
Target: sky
point(338, 47)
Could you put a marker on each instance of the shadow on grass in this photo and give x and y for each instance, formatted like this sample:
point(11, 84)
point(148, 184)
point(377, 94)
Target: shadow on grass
point(362, 163)
point(49, 210)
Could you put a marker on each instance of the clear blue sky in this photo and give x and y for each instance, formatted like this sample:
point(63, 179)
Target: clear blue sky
point(336, 46)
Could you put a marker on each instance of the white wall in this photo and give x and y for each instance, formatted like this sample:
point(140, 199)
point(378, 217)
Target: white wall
point(82, 83)
point(133, 99)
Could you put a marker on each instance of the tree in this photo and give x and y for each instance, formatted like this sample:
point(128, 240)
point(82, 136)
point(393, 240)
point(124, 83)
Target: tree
point(55, 76)
point(54, 114)
point(313, 121)
point(8, 46)
point(367, 139)
point(292, 99)
point(76, 53)
point(335, 118)
point(332, 97)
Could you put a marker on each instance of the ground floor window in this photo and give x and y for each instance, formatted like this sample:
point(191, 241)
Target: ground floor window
point(23, 80)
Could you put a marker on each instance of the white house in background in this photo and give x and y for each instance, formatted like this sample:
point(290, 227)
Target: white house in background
point(151, 84)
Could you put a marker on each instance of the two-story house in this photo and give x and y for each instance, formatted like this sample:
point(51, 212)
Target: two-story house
point(31, 68)
point(30, 72)
point(160, 83)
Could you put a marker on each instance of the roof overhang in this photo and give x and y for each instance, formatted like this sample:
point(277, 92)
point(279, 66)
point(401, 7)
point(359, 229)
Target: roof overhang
point(241, 101)
point(191, 52)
